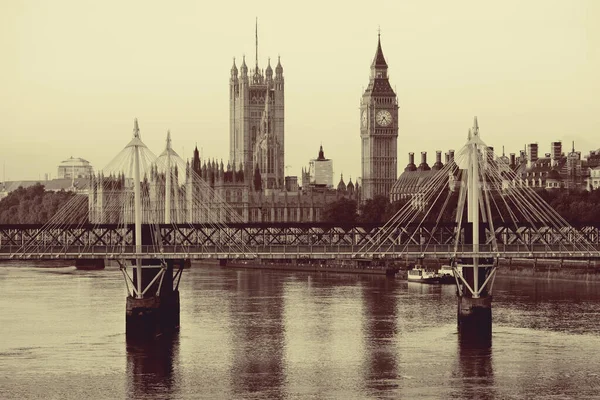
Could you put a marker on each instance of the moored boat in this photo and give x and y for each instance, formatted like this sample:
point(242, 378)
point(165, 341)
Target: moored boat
point(446, 274)
point(420, 274)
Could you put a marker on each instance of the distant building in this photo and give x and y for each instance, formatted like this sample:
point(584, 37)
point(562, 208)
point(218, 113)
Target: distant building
point(593, 181)
point(75, 168)
point(321, 170)
point(378, 131)
point(256, 116)
point(210, 192)
point(415, 178)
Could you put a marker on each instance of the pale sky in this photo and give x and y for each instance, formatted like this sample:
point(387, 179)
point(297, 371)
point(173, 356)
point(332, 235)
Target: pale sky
point(74, 74)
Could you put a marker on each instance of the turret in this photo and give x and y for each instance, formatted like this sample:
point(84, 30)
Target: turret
point(196, 161)
point(341, 187)
point(279, 70)
point(234, 72)
point(269, 71)
point(244, 70)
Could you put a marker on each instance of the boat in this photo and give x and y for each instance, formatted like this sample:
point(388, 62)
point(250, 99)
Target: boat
point(420, 274)
point(446, 274)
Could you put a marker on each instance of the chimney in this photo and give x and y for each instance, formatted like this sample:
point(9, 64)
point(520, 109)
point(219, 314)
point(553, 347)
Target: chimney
point(447, 157)
point(556, 152)
point(512, 159)
point(451, 154)
point(438, 161)
point(532, 153)
point(411, 163)
point(423, 166)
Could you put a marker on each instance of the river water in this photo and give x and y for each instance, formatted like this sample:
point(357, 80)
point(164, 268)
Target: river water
point(249, 334)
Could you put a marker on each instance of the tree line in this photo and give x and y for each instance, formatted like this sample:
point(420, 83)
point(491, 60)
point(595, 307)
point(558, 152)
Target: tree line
point(35, 205)
point(576, 207)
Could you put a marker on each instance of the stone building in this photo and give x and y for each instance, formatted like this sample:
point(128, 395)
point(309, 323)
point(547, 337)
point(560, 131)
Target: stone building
point(320, 170)
point(378, 131)
point(209, 192)
point(256, 114)
point(73, 168)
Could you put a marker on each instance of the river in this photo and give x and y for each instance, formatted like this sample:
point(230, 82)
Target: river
point(250, 334)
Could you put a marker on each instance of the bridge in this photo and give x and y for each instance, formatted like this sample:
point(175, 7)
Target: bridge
point(152, 229)
point(289, 241)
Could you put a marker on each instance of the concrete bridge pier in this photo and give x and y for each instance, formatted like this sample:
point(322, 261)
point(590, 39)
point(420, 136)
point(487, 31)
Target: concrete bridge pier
point(474, 280)
point(474, 316)
point(156, 311)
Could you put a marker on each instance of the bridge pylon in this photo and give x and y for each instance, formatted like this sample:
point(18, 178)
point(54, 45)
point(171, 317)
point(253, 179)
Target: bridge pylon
point(152, 307)
point(475, 275)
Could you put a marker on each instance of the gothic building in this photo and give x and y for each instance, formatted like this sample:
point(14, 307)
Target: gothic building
point(378, 131)
point(256, 113)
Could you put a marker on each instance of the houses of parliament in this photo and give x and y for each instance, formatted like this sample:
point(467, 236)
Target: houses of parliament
point(253, 183)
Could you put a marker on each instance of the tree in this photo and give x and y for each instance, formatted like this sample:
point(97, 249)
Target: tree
point(341, 211)
point(375, 210)
point(35, 205)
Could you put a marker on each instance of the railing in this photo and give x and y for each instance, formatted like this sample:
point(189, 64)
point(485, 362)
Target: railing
point(300, 251)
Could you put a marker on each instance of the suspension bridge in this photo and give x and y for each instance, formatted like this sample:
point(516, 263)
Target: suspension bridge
point(142, 214)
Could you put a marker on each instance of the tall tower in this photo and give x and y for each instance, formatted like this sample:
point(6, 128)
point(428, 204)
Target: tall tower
point(248, 94)
point(378, 131)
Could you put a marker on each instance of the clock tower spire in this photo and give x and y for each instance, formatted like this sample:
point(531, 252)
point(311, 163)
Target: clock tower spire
point(378, 130)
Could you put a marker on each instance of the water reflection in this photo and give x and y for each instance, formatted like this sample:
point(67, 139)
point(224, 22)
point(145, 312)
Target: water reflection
point(257, 335)
point(380, 334)
point(474, 372)
point(152, 367)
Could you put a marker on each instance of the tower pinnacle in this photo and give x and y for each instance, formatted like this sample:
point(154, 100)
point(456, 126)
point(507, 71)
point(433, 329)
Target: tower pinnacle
point(136, 129)
point(379, 60)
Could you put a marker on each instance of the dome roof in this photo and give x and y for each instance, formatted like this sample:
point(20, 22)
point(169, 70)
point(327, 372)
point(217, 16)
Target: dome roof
point(75, 162)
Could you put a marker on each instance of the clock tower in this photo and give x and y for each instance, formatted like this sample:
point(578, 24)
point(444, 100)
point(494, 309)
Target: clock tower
point(378, 131)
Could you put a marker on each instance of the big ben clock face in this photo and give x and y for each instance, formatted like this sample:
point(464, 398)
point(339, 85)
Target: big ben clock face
point(364, 119)
point(383, 118)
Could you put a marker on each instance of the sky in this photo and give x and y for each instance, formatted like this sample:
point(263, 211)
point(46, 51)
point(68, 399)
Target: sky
point(75, 73)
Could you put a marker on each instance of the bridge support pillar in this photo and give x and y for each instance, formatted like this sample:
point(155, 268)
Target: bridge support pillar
point(157, 311)
point(475, 314)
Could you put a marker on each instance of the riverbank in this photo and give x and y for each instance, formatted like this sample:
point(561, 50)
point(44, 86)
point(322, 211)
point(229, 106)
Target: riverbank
point(572, 270)
point(548, 269)
point(343, 267)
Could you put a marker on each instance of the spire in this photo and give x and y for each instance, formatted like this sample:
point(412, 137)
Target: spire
point(234, 70)
point(256, 36)
point(321, 154)
point(379, 60)
point(244, 67)
point(279, 68)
